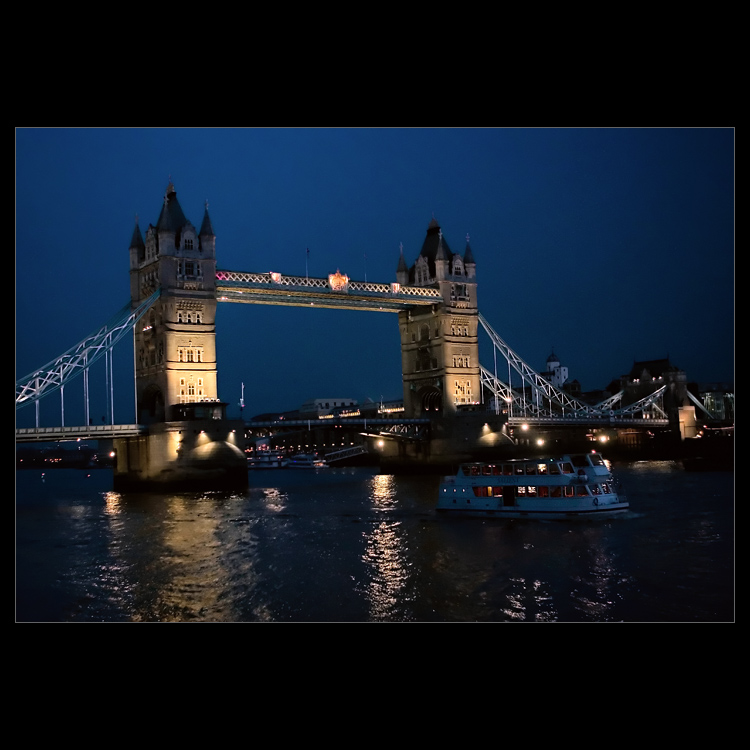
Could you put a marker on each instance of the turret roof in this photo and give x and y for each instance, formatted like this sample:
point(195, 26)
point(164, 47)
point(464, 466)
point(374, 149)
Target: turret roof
point(434, 239)
point(468, 255)
point(401, 262)
point(206, 228)
point(137, 238)
point(171, 217)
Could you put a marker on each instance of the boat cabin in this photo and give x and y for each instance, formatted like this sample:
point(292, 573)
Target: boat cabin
point(521, 467)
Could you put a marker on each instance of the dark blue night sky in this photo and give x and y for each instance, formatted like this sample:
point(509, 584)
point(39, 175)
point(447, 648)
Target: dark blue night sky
point(606, 245)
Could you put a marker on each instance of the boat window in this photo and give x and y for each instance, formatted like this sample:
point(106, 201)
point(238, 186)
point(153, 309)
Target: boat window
point(507, 470)
point(466, 470)
point(569, 491)
point(581, 490)
point(521, 491)
point(566, 468)
point(482, 491)
point(530, 469)
point(555, 492)
point(541, 468)
point(497, 470)
point(474, 470)
point(579, 460)
point(596, 459)
point(486, 470)
point(518, 469)
point(595, 489)
point(531, 491)
point(605, 489)
point(543, 491)
point(554, 469)
point(497, 491)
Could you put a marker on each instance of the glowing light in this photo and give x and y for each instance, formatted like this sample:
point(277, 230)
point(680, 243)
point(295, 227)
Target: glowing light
point(338, 281)
point(524, 427)
point(540, 441)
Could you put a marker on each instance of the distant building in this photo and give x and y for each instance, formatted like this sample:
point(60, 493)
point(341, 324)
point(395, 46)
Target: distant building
point(317, 406)
point(555, 373)
point(718, 398)
point(647, 376)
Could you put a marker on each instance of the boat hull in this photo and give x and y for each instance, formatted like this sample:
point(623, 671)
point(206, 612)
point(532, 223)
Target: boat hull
point(552, 514)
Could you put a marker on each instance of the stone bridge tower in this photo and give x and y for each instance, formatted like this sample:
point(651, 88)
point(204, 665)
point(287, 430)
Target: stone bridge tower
point(439, 347)
point(175, 342)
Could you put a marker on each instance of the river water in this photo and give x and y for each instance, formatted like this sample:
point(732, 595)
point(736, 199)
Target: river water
point(352, 545)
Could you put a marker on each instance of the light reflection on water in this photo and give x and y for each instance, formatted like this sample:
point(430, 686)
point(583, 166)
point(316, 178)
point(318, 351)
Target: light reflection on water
point(354, 546)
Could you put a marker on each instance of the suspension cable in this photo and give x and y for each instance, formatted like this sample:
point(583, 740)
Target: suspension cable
point(79, 358)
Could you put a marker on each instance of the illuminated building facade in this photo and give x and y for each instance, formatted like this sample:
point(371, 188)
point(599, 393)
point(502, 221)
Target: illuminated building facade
point(175, 342)
point(439, 344)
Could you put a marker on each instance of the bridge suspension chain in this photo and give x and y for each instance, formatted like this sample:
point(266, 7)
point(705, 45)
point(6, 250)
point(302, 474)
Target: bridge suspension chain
point(541, 387)
point(545, 395)
point(55, 374)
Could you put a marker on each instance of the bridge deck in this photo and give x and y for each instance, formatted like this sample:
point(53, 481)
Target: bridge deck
point(588, 421)
point(90, 432)
point(302, 291)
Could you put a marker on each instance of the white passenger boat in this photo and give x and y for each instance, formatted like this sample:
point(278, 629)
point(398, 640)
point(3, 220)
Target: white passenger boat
point(307, 461)
point(267, 460)
point(555, 488)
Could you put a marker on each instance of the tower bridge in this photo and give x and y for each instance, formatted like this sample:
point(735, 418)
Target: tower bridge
point(181, 433)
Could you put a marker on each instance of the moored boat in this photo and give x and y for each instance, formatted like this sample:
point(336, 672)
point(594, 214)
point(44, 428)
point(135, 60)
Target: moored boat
point(578, 484)
point(307, 461)
point(267, 460)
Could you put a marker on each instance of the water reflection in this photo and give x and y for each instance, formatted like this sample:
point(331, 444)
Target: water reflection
point(596, 593)
point(274, 499)
point(385, 556)
point(168, 562)
point(530, 601)
point(351, 546)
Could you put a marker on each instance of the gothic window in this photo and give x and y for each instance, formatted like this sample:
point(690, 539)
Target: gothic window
point(188, 244)
point(462, 391)
point(190, 354)
point(458, 292)
point(424, 361)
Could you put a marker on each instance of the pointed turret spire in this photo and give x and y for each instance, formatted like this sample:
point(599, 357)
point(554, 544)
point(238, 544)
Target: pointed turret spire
point(206, 228)
point(468, 255)
point(401, 260)
point(137, 238)
point(440, 254)
point(402, 271)
point(171, 218)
